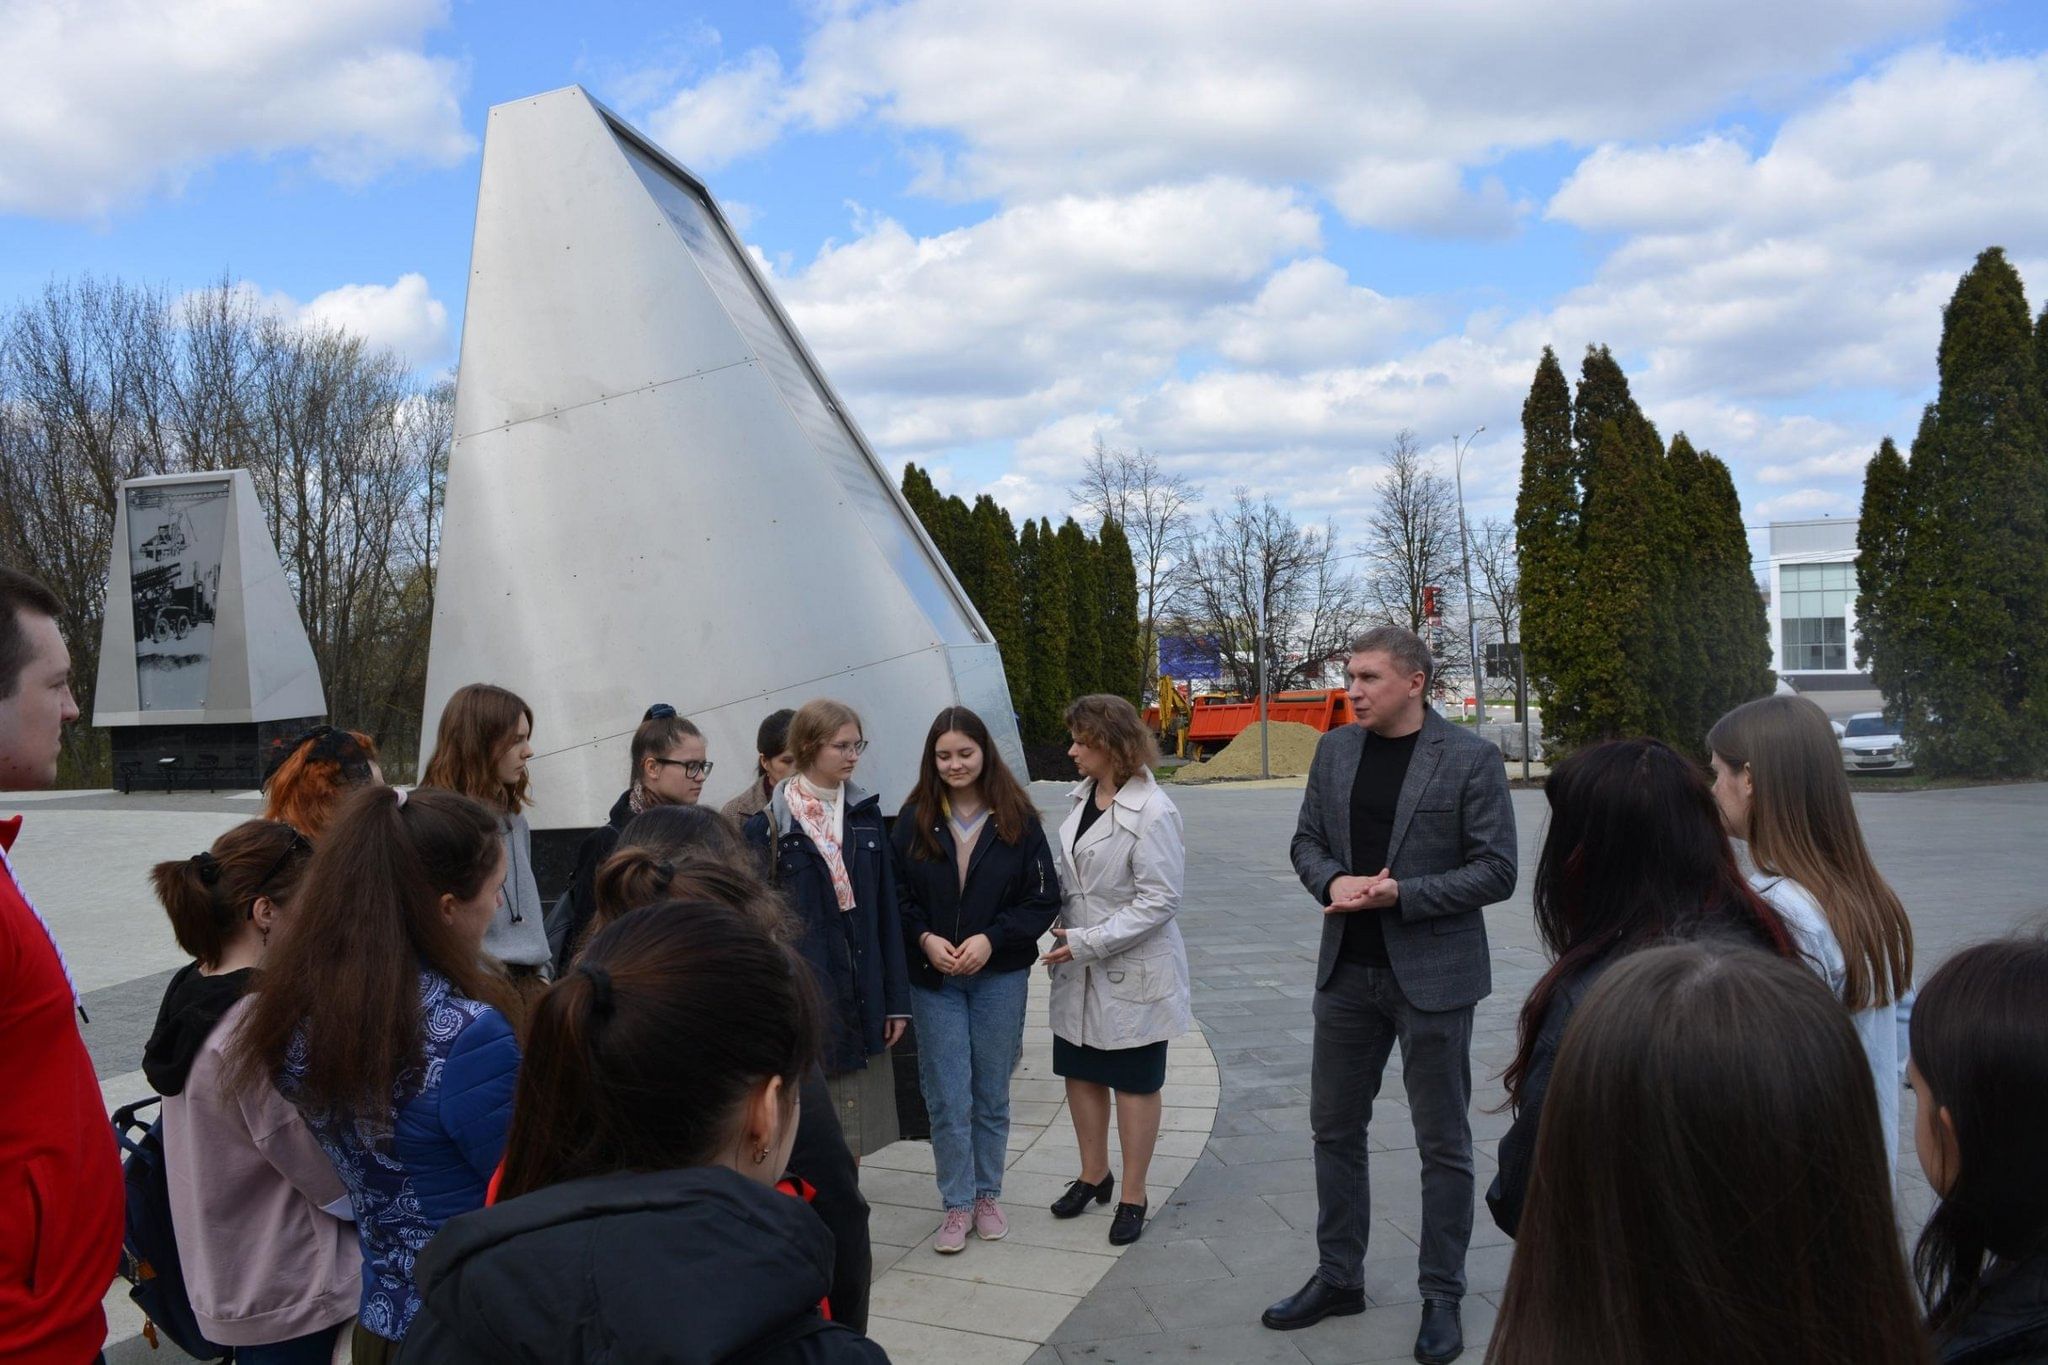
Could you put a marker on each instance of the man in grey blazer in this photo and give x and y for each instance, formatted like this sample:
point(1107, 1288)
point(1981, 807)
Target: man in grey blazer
point(1406, 832)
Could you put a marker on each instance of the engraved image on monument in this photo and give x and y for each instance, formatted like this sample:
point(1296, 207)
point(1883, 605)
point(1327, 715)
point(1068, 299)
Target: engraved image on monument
point(175, 537)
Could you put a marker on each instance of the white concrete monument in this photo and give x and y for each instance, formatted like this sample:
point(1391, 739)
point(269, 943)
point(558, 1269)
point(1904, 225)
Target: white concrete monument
point(654, 495)
point(203, 658)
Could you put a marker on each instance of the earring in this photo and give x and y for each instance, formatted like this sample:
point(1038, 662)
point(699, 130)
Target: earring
point(760, 1156)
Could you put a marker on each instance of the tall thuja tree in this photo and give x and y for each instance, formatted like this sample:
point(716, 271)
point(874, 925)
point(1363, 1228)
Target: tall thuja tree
point(1123, 669)
point(1023, 671)
point(957, 539)
point(1001, 600)
point(923, 497)
point(1048, 628)
point(1883, 532)
point(1735, 628)
point(1616, 584)
point(1690, 692)
point(1082, 560)
point(1547, 525)
point(1982, 538)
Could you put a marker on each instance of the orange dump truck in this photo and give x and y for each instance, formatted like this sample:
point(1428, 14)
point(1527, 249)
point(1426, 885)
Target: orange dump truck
point(1213, 722)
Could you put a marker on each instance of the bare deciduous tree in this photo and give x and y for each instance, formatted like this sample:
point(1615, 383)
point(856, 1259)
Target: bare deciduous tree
point(1497, 581)
point(1252, 559)
point(1154, 509)
point(1412, 545)
point(101, 382)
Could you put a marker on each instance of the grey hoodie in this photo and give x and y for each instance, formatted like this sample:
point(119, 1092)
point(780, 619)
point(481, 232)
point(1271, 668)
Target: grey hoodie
point(518, 935)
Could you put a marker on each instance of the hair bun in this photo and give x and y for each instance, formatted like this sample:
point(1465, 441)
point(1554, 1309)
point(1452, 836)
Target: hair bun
point(209, 868)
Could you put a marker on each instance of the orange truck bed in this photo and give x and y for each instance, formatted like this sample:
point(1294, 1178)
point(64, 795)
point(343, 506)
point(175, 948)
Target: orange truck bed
point(1213, 724)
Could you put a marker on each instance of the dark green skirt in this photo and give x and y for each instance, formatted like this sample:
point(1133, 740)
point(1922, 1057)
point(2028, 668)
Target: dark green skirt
point(1131, 1070)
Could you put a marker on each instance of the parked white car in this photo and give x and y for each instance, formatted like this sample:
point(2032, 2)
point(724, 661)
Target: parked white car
point(1872, 744)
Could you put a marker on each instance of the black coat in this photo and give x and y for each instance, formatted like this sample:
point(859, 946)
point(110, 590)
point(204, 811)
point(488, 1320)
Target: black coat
point(1517, 1152)
point(579, 903)
point(2008, 1324)
point(659, 1268)
point(820, 1155)
point(857, 954)
point(1012, 895)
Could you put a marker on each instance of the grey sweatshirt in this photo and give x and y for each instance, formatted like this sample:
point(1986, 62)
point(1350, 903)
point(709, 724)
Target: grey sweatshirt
point(518, 935)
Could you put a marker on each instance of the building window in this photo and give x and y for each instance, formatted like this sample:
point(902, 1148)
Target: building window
point(1814, 616)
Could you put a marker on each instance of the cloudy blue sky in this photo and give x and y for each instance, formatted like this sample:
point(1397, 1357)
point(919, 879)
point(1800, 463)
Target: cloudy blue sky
point(1256, 239)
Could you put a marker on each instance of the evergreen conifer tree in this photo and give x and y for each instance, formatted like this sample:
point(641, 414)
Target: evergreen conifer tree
point(1690, 690)
point(1051, 628)
point(1882, 531)
point(1735, 627)
point(1025, 671)
point(1547, 517)
point(1123, 672)
point(923, 497)
point(1084, 621)
point(1980, 537)
point(1616, 589)
point(1001, 601)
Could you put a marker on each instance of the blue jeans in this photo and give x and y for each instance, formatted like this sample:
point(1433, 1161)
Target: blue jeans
point(968, 1033)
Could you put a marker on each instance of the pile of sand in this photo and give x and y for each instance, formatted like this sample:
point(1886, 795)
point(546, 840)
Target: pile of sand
point(1290, 747)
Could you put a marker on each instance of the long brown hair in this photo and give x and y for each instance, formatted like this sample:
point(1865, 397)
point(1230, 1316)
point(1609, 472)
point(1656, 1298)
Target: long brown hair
point(1710, 1181)
point(641, 1056)
point(345, 982)
point(1008, 804)
point(308, 779)
point(210, 894)
point(1634, 854)
point(1803, 826)
point(476, 725)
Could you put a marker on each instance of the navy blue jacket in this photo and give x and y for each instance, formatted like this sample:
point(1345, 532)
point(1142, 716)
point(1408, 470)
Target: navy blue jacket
point(857, 954)
point(1012, 895)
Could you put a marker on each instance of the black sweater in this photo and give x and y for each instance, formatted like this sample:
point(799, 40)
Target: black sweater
point(1012, 895)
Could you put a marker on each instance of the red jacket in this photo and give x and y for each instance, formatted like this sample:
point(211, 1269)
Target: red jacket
point(61, 1198)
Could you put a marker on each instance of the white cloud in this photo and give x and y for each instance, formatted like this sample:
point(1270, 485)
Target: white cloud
point(1806, 503)
point(403, 316)
point(1309, 314)
point(111, 100)
point(1384, 107)
point(736, 110)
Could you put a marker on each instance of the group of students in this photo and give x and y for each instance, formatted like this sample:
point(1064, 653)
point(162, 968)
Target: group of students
point(1707, 1082)
point(405, 1100)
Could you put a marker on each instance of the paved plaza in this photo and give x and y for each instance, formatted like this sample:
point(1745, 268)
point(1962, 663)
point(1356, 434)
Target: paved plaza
point(1237, 1231)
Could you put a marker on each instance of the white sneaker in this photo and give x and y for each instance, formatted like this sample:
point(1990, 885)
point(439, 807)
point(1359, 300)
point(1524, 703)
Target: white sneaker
point(952, 1237)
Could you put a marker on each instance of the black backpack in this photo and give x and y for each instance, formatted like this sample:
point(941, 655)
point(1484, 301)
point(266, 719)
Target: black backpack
point(149, 1251)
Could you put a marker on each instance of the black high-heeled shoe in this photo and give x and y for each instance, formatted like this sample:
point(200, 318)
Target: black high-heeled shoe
point(1129, 1224)
point(1079, 1194)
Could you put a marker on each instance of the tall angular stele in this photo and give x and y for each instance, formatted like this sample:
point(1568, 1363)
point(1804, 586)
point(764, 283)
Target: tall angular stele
point(654, 494)
point(204, 662)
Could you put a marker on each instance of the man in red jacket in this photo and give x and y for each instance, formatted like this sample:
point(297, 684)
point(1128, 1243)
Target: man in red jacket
point(61, 1201)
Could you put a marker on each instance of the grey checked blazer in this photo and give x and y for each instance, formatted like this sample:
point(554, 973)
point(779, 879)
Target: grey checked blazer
point(1452, 851)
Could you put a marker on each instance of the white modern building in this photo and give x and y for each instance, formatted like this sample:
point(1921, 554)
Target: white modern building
point(1812, 587)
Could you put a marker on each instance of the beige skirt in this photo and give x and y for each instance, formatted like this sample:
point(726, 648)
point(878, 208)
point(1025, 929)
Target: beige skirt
point(865, 1103)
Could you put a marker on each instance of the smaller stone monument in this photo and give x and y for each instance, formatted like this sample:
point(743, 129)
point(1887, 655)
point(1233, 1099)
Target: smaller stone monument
point(203, 659)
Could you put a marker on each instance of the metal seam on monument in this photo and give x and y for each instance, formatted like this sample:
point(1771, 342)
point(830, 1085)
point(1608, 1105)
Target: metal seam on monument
point(606, 398)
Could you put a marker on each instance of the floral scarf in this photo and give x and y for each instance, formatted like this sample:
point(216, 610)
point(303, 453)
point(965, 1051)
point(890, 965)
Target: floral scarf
point(816, 819)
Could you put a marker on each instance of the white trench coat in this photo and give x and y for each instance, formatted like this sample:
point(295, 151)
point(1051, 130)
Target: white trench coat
point(1128, 983)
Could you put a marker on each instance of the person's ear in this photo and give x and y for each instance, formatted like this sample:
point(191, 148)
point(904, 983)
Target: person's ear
point(1950, 1149)
point(263, 913)
point(1748, 783)
point(448, 908)
point(764, 1121)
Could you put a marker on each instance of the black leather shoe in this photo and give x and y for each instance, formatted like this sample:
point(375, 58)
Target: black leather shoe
point(1129, 1224)
point(1441, 1339)
point(1079, 1194)
point(1315, 1301)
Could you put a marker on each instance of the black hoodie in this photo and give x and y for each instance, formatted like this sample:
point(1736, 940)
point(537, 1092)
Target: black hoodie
point(193, 1006)
point(686, 1267)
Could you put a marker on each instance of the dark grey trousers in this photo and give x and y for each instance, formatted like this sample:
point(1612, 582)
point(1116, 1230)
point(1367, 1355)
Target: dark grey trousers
point(1360, 1015)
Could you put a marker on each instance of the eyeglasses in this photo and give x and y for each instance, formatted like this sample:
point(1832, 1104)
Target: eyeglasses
point(692, 767)
point(856, 747)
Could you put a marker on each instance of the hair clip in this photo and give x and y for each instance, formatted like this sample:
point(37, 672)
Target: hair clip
point(600, 989)
point(661, 710)
point(400, 791)
point(209, 868)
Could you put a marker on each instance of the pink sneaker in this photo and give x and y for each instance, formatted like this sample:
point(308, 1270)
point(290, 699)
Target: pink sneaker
point(989, 1223)
point(952, 1236)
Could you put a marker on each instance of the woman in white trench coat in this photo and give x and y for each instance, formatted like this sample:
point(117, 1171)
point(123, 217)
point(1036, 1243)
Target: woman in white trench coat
point(1120, 972)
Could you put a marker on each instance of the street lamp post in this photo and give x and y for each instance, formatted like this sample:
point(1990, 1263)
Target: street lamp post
point(1465, 553)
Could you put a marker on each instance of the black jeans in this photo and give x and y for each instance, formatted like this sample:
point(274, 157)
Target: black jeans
point(1360, 1015)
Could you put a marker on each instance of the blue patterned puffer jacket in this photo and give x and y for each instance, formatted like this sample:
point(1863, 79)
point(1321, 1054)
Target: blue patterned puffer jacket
point(433, 1155)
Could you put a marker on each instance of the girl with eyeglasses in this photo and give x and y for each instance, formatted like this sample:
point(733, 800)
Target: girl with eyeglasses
point(825, 846)
point(270, 1268)
point(481, 750)
point(668, 769)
